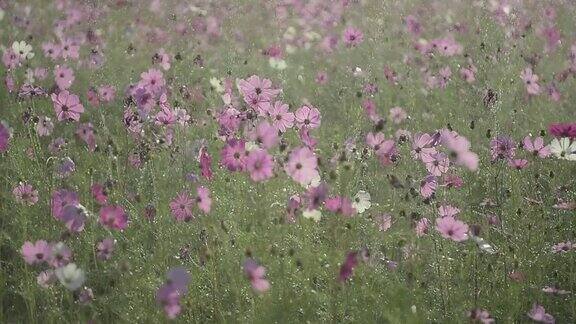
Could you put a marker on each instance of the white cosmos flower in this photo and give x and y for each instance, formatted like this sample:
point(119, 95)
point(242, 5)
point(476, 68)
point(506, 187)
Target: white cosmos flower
point(217, 84)
point(22, 49)
point(71, 276)
point(314, 182)
point(563, 149)
point(361, 201)
point(314, 214)
point(278, 64)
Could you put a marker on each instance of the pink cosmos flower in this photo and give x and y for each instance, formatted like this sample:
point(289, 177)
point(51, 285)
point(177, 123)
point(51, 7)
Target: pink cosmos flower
point(99, 193)
point(257, 88)
point(257, 276)
point(282, 119)
point(152, 80)
point(5, 136)
point(10, 59)
point(301, 166)
point(321, 78)
point(531, 81)
point(451, 228)
point(36, 253)
point(61, 199)
point(45, 126)
point(436, 164)
point(260, 165)
point(181, 207)
point(387, 152)
point(428, 186)
point(69, 49)
point(421, 146)
point(422, 227)
point(383, 222)
point(340, 205)
point(315, 196)
point(170, 293)
point(413, 25)
point(518, 164)
point(469, 73)
point(61, 255)
point(352, 36)
point(307, 116)
point(25, 194)
point(538, 314)
point(347, 268)
point(74, 217)
point(478, 315)
point(448, 211)
point(397, 115)
point(265, 135)
point(86, 133)
point(233, 155)
point(107, 93)
point(67, 106)
point(536, 147)
point(105, 248)
point(306, 138)
point(502, 147)
point(203, 199)
point(563, 247)
point(113, 217)
point(369, 107)
point(64, 77)
point(51, 50)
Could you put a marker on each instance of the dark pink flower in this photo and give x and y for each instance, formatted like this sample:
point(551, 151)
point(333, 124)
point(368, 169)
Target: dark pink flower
point(206, 164)
point(352, 36)
point(347, 268)
point(340, 205)
point(113, 217)
point(181, 207)
point(233, 155)
point(61, 199)
point(260, 165)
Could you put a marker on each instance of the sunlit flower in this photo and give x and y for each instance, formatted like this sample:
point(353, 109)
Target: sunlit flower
point(563, 149)
point(361, 201)
point(71, 276)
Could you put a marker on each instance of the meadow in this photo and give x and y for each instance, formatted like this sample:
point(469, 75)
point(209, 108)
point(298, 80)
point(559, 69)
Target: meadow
point(308, 161)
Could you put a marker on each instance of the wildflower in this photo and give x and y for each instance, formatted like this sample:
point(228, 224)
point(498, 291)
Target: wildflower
point(353, 36)
point(203, 199)
point(71, 276)
point(282, 119)
point(421, 146)
point(397, 115)
point(502, 147)
point(74, 217)
point(347, 268)
point(23, 50)
point(422, 227)
point(61, 255)
point(448, 211)
point(301, 165)
point(152, 80)
point(257, 276)
point(451, 228)
point(428, 186)
point(384, 222)
point(265, 135)
point(479, 315)
point(113, 217)
point(536, 147)
point(107, 93)
point(563, 247)
point(538, 314)
point(36, 253)
point(181, 207)
point(313, 214)
point(560, 130)
point(85, 296)
point(170, 293)
point(531, 81)
point(233, 155)
point(563, 149)
point(46, 278)
point(10, 59)
point(69, 49)
point(61, 199)
point(257, 88)
point(51, 50)
point(105, 248)
point(518, 164)
point(45, 126)
point(340, 205)
point(99, 193)
point(67, 106)
point(361, 201)
point(64, 77)
point(25, 194)
point(5, 136)
point(307, 116)
point(436, 164)
point(259, 164)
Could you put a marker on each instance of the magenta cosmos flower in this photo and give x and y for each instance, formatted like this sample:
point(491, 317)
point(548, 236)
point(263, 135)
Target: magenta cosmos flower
point(451, 228)
point(36, 253)
point(257, 276)
point(113, 217)
point(260, 165)
point(307, 116)
point(560, 130)
point(353, 36)
point(181, 207)
point(67, 106)
point(347, 268)
point(301, 166)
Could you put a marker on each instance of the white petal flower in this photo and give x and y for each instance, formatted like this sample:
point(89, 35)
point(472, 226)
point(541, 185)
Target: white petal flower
point(22, 49)
point(278, 64)
point(563, 149)
point(314, 214)
point(71, 276)
point(217, 84)
point(361, 201)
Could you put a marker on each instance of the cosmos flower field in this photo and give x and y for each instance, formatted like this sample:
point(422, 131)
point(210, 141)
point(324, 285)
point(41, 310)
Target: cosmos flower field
point(306, 161)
